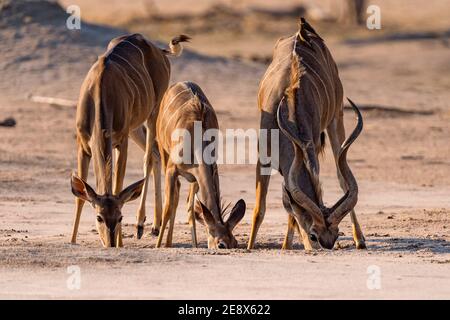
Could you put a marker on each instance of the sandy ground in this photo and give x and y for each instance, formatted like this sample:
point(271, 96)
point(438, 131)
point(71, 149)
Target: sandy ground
point(401, 162)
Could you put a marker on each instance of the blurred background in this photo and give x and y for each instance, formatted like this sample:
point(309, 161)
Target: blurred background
point(246, 27)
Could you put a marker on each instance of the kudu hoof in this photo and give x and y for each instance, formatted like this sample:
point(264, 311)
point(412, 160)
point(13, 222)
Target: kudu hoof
point(155, 231)
point(139, 231)
point(361, 245)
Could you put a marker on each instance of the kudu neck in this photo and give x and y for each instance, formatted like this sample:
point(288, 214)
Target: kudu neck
point(209, 193)
point(102, 158)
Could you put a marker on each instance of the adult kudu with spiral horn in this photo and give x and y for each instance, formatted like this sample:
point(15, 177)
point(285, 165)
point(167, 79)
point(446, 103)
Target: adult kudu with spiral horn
point(120, 97)
point(301, 94)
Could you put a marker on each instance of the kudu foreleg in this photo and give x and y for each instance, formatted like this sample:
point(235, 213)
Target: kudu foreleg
point(173, 211)
point(289, 237)
point(119, 175)
point(191, 213)
point(336, 134)
point(149, 142)
point(292, 227)
point(169, 201)
point(139, 137)
point(120, 166)
point(262, 185)
point(83, 169)
point(156, 169)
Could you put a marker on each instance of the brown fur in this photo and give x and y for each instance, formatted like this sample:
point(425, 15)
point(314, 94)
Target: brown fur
point(119, 98)
point(296, 73)
point(183, 104)
point(303, 77)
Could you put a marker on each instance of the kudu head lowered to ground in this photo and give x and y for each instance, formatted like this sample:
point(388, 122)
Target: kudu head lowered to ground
point(220, 232)
point(186, 110)
point(324, 221)
point(108, 208)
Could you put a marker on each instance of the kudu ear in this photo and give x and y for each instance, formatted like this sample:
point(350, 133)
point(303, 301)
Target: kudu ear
point(236, 215)
point(82, 189)
point(132, 192)
point(206, 216)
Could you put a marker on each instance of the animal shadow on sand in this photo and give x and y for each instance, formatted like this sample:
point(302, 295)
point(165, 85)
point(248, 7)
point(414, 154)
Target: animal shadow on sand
point(380, 244)
point(409, 244)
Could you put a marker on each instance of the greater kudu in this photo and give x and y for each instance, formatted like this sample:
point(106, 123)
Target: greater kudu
point(120, 97)
point(183, 105)
point(302, 95)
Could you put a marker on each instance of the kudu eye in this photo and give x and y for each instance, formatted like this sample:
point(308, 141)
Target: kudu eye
point(313, 237)
point(99, 219)
point(222, 245)
point(120, 219)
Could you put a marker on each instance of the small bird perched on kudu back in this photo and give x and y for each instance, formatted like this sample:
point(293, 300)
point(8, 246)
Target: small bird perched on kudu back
point(175, 49)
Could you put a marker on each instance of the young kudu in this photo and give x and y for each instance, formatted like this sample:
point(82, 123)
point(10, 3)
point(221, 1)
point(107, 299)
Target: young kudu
point(183, 106)
point(302, 95)
point(119, 98)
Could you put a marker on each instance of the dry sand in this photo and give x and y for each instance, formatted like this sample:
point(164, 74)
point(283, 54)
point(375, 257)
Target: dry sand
point(401, 162)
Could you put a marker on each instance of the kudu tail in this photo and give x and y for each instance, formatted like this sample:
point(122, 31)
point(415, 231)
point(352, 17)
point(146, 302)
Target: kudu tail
point(176, 46)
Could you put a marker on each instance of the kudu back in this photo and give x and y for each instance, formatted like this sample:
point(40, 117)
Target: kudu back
point(119, 98)
point(301, 95)
point(183, 107)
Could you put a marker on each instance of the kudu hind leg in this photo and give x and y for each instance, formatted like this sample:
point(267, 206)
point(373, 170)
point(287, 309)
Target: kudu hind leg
point(308, 245)
point(262, 185)
point(139, 137)
point(336, 134)
point(149, 142)
point(83, 169)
